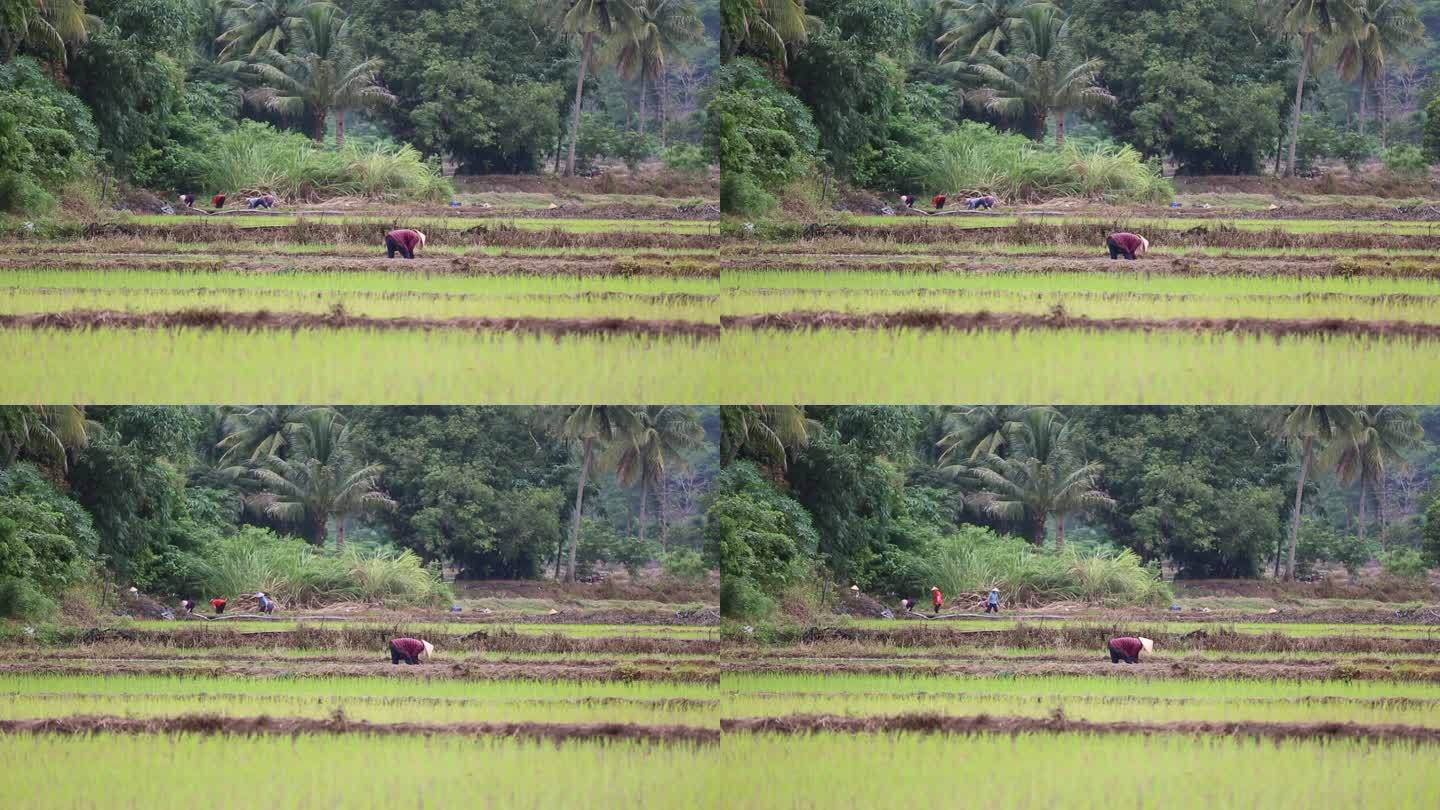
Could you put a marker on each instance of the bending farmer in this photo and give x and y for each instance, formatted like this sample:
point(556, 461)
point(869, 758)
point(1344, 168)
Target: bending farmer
point(403, 241)
point(409, 650)
point(1127, 649)
point(987, 202)
point(1126, 244)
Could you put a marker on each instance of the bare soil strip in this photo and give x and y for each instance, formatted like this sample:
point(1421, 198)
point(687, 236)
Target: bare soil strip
point(1118, 700)
point(102, 656)
point(497, 235)
point(608, 266)
point(1184, 266)
point(313, 638)
point(984, 320)
point(956, 654)
point(126, 247)
point(1095, 295)
point(84, 319)
point(292, 726)
point(460, 670)
point(658, 703)
point(394, 295)
point(1094, 637)
point(1101, 666)
point(988, 724)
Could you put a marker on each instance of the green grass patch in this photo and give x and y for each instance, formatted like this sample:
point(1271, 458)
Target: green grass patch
point(452, 222)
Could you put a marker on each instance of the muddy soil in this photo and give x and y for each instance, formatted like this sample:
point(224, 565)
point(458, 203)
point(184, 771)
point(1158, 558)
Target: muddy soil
point(1145, 669)
point(1199, 266)
point(694, 617)
point(485, 640)
point(103, 655)
point(293, 726)
point(1118, 700)
point(860, 654)
point(682, 704)
point(498, 235)
point(124, 248)
point(702, 212)
point(990, 724)
point(459, 670)
point(1095, 636)
point(440, 265)
point(804, 320)
point(86, 319)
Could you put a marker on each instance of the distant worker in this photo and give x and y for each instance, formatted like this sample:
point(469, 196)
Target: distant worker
point(937, 599)
point(218, 603)
point(403, 241)
point(938, 201)
point(218, 201)
point(267, 605)
point(992, 602)
point(907, 200)
point(1126, 244)
point(987, 202)
point(907, 604)
point(263, 201)
point(409, 650)
point(188, 605)
point(1127, 649)
point(187, 200)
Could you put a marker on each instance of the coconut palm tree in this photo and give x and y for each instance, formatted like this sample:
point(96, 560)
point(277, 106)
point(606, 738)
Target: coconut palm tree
point(764, 25)
point(593, 427)
point(1379, 442)
point(664, 434)
point(1313, 21)
point(768, 431)
point(979, 432)
point(976, 27)
point(1307, 425)
point(255, 27)
point(47, 433)
point(1042, 78)
point(320, 480)
point(663, 26)
point(43, 26)
point(1042, 478)
point(1386, 28)
point(254, 434)
point(321, 73)
point(591, 21)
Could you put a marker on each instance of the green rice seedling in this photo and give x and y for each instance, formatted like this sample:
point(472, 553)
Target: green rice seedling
point(1079, 771)
point(576, 630)
point(359, 366)
point(356, 771)
point(448, 223)
point(1073, 366)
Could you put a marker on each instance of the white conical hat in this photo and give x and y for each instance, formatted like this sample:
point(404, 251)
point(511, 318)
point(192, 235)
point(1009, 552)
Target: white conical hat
point(1147, 644)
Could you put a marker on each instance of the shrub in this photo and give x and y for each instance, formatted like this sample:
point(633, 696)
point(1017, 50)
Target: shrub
point(46, 137)
point(1403, 563)
point(633, 147)
point(687, 158)
point(1405, 160)
point(1432, 130)
point(765, 137)
point(761, 539)
point(684, 563)
point(1354, 149)
point(20, 599)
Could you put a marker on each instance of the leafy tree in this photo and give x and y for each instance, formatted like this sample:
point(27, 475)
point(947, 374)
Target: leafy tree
point(764, 136)
point(320, 480)
point(588, 20)
point(1312, 20)
point(663, 435)
point(47, 137)
point(1379, 441)
point(44, 433)
point(320, 74)
point(1385, 29)
point(763, 433)
point(1306, 425)
point(662, 28)
point(1044, 77)
point(761, 540)
point(763, 27)
point(44, 27)
point(1043, 477)
point(592, 427)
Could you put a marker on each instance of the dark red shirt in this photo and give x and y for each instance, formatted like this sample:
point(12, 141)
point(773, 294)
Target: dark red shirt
point(218, 200)
point(938, 200)
point(406, 237)
point(938, 599)
point(412, 647)
point(1128, 645)
point(217, 602)
point(1127, 241)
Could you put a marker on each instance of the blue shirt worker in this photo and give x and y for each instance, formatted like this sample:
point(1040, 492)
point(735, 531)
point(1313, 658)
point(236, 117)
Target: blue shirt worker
point(992, 602)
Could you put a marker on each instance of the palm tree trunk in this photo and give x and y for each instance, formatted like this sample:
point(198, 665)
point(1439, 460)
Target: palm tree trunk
point(1364, 91)
point(1295, 125)
point(642, 102)
point(1039, 538)
point(664, 520)
point(339, 129)
point(1059, 534)
point(340, 534)
point(1295, 518)
point(570, 161)
point(664, 108)
point(1380, 508)
point(589, 454)
point(1059, 130)
point(1380, 108)
point(644, 496)
point(1361, 530)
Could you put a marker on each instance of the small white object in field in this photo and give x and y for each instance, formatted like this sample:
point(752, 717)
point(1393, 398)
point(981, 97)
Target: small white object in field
point(854, 587)
point(1272, 610)
point(134, 589)
point(748, 630)
point(553, 612)
point(552, 207)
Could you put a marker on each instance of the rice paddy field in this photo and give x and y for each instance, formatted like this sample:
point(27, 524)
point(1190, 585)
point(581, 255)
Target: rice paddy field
point(515, 709)
point(199, 309)
point(1221, 311)
point(1024, 713)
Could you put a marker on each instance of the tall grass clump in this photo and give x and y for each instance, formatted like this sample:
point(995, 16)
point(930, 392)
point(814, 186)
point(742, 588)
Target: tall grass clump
point(253, 157)
point(299, 574)
point(977, 159)
point(975, 560)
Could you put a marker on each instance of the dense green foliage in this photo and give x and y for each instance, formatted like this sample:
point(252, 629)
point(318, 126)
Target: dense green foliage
point(1084, 503)
point(314, 504)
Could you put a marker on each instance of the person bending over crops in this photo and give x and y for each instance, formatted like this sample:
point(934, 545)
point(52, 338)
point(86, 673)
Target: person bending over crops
point(267, 605)
point(188, 605)
point(1126, 244)
point(409, 650)
point(987, 202)
point(403, 241)
point(907, 200)
point(1127, 649)
point(936, 599)
point(187, 200)
point(907, 604)
point(218, 201)
point(938, 201)
point(218, 603)
point(992, 602)
point(263, 201)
